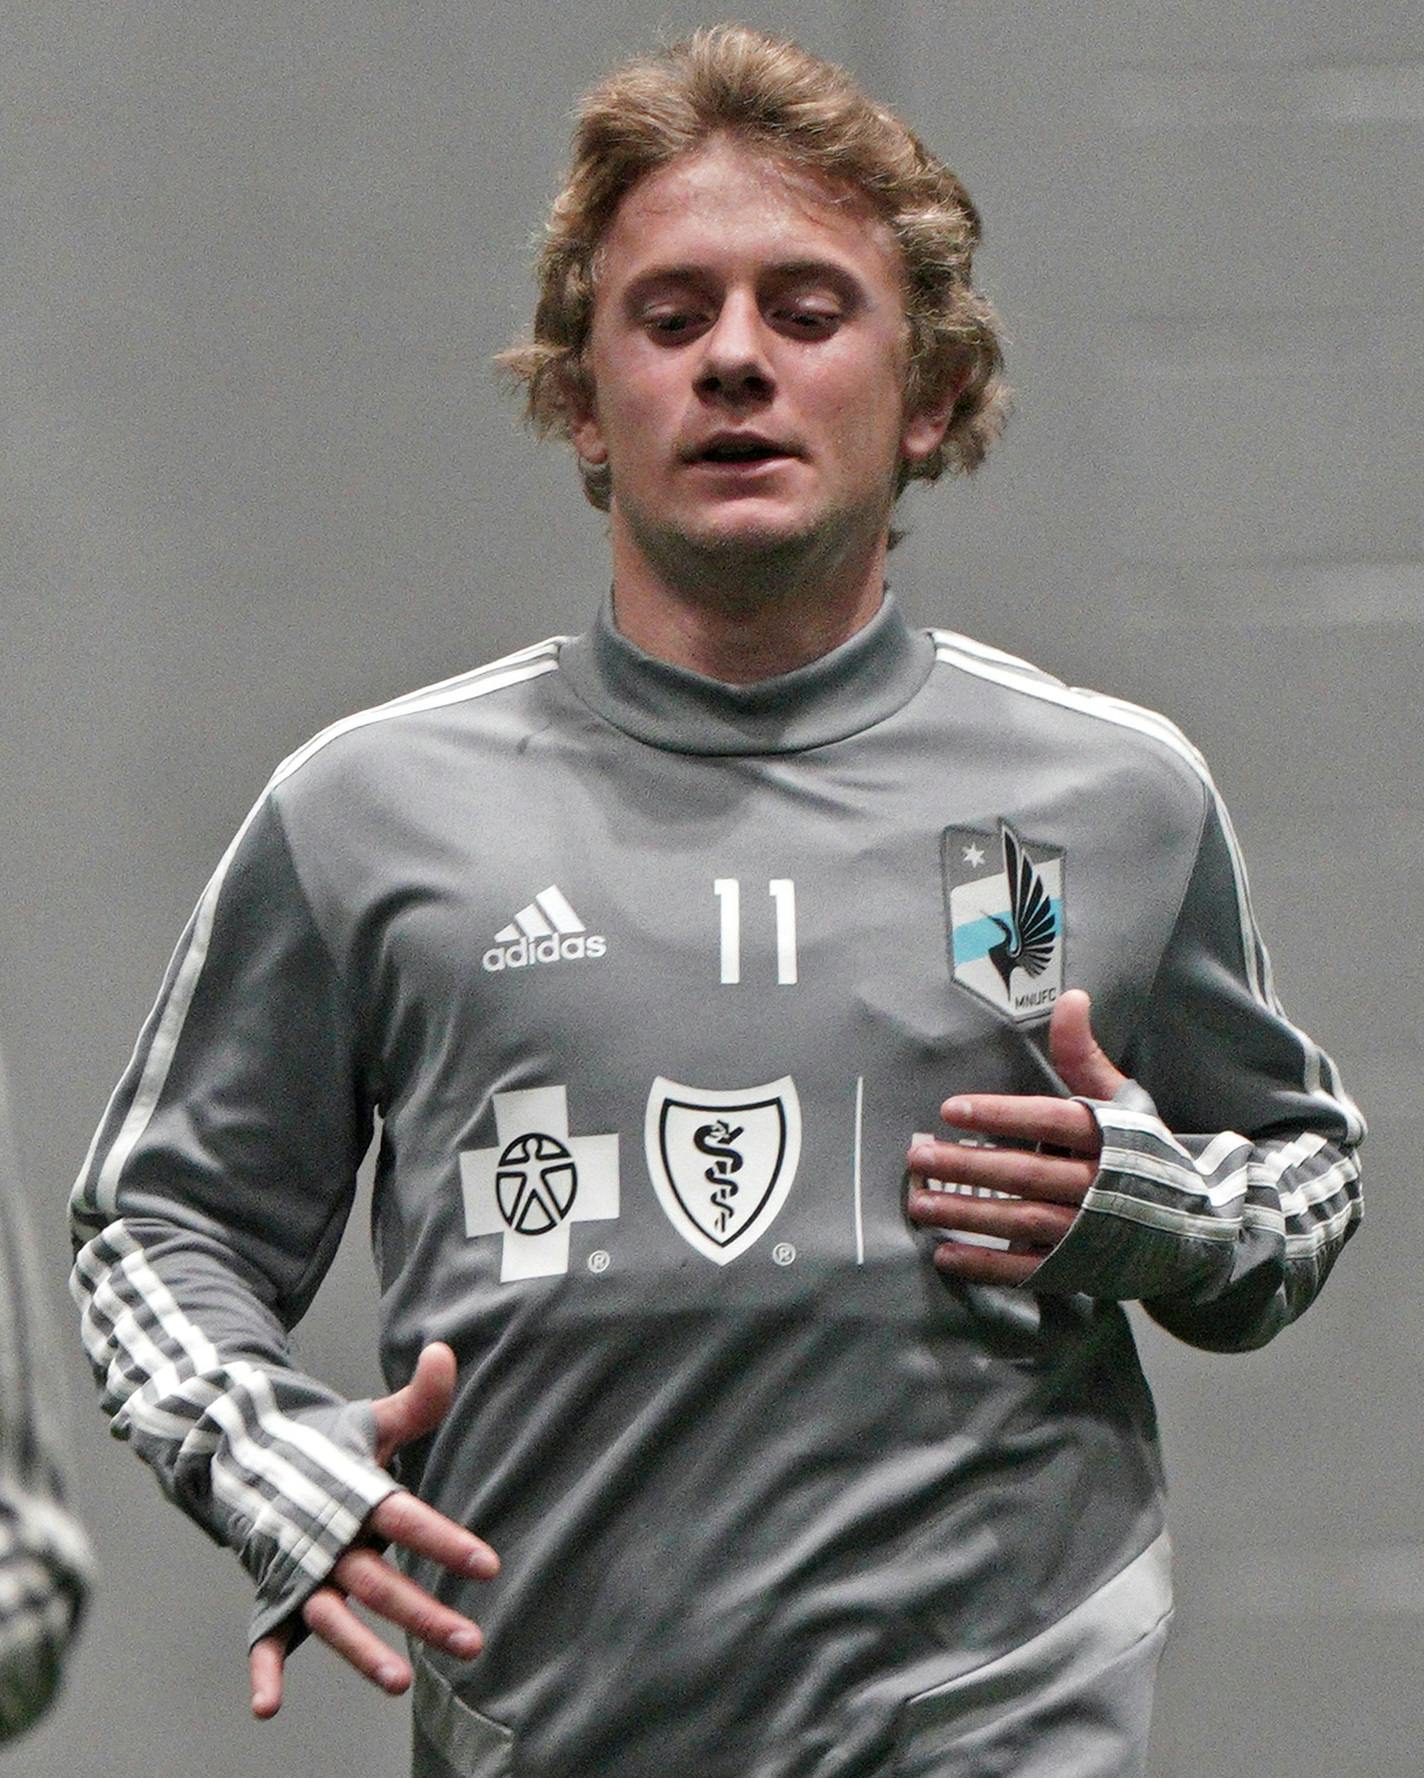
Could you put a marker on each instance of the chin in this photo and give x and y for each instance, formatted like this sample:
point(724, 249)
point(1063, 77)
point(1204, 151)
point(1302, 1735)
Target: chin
point(739, 528)
point(750, 535)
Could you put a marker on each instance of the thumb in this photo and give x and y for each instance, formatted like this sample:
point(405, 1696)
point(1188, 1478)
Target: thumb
point(420, 1406)
point(1074, 1051)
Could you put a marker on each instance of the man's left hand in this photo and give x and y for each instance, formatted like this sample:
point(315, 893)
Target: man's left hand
point(1046, 1189)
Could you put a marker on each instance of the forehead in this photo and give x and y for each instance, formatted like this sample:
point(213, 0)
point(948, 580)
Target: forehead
point(725, 205)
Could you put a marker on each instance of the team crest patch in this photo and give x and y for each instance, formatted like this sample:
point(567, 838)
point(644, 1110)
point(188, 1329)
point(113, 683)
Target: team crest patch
point(1003, 898)
point(722, 1163)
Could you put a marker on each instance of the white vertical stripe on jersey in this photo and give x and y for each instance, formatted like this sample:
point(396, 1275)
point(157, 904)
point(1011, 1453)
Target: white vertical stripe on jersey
point(859, 1132)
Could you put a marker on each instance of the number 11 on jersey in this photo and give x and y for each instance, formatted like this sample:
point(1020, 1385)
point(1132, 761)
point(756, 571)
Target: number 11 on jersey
point(729, 896)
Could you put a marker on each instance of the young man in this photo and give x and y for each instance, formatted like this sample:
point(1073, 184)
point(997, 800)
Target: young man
point(654, 949)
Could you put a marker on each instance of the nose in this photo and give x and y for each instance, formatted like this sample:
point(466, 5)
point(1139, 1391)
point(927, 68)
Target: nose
point(735, 362)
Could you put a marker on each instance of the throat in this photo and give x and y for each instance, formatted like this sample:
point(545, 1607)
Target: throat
point(745, 608)
point(745, 635)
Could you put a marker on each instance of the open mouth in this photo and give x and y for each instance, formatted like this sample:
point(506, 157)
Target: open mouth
point(742, 452)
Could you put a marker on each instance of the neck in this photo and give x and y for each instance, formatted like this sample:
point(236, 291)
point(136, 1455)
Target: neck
point(747, 619)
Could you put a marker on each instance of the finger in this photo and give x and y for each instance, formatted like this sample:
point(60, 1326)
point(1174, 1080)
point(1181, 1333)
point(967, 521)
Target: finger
point(1062, 1180)
point(264, 1671)
point(1040, 1225)
point(1074, 1051)
point(1026, 1118)
point(419, 1407)
point(328, 1616)
point(403, 1519)
point(382, 1588)
point(986, 1265)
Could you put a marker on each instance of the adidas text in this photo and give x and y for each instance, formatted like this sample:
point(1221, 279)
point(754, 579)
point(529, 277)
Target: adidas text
point(547, 931)
point(553, 948)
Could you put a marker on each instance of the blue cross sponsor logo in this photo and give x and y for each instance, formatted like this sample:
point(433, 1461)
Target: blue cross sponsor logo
point(722, 1163)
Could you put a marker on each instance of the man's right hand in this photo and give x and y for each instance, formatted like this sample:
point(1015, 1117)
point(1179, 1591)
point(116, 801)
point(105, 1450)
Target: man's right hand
point(364, 1574)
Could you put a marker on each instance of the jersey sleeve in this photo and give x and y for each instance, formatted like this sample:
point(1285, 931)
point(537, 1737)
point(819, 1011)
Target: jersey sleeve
point(208, 1210)
point(44, 1555)
point(1228, 1182)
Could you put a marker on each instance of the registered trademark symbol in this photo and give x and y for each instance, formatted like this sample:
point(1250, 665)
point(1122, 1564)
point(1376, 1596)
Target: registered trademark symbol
point(783, 1253)
point(599, 1261)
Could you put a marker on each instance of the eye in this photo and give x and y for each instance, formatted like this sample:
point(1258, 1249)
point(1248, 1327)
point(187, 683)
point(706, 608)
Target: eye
point(808, 320)
point(671, 324)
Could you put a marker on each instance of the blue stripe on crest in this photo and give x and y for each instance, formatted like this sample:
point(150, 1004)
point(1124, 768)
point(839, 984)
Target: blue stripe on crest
point(976, 938)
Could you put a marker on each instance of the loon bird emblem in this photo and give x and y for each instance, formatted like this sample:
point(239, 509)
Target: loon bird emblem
point(1031, 928)
point(1004, 915)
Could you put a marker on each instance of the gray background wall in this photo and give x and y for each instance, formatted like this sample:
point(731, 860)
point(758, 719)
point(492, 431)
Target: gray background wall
point(254, 261)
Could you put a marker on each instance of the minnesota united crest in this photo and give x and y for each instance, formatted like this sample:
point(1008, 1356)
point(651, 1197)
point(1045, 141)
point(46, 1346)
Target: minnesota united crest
point(722, 1163)
point(1004, 907)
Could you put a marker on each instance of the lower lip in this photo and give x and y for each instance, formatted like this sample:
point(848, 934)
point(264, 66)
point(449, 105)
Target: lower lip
point(743, 466)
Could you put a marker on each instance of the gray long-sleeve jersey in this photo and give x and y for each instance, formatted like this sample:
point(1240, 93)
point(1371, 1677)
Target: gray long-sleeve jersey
point(650, 980)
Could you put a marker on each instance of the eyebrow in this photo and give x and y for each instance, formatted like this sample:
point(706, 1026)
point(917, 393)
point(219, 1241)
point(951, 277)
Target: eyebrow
point(780, 271)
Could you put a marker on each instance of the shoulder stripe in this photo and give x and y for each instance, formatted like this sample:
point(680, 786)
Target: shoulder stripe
point(511, 669)
point(535, 653)
point(1318, 1076)
point(1008, 670)
point(953, 643)
point(191, 955)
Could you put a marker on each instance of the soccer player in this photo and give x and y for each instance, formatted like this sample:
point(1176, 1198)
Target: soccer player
point(794, 1036)
point(45, 1563)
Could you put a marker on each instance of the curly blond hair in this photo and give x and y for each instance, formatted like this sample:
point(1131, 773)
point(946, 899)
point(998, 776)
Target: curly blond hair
point(767, 93)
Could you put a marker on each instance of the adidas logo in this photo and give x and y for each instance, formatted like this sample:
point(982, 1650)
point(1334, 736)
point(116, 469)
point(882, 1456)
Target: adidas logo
point(547, 931)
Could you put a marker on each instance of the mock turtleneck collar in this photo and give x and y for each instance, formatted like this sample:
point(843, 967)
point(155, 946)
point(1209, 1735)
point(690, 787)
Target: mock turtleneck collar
point(858, 684)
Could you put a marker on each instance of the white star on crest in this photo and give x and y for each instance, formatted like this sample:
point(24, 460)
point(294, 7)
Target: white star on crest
point(974, 855)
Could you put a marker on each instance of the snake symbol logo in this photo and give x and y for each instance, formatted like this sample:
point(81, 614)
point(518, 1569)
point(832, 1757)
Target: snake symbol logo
point(752, 1138)
point(716, 1140)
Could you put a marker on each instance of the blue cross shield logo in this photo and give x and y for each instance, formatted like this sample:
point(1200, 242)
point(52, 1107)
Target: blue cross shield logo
point(722, 1163)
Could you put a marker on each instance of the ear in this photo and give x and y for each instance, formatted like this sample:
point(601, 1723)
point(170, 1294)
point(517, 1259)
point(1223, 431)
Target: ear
point(924, 430)
point(582, 410)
